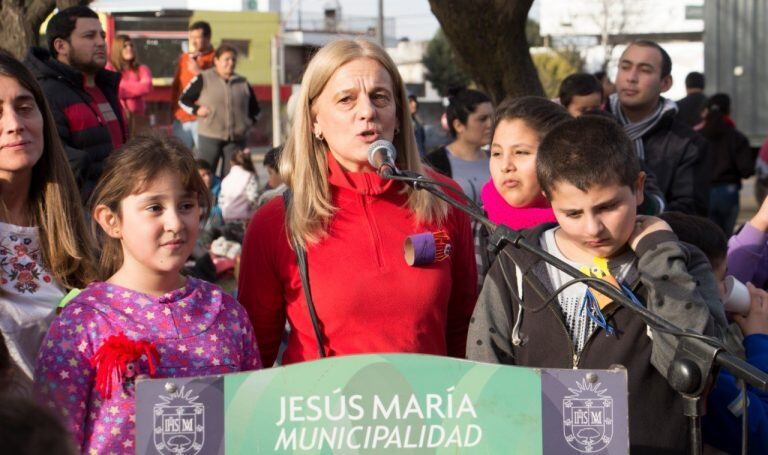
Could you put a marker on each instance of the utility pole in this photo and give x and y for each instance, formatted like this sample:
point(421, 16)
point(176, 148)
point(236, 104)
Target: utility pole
point(276, 70)
point(380, 27)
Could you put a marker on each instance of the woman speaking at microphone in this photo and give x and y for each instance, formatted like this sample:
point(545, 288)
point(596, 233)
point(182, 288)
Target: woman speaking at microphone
point(351, 225)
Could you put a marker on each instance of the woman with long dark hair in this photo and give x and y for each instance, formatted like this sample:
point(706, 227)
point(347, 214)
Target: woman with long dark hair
point(45, 247)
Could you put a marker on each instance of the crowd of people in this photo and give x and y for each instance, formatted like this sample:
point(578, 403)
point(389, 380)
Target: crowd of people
point(617, 178)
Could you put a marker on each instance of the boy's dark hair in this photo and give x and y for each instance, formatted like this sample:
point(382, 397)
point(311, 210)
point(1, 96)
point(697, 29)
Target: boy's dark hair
point(700, 232)
point(63, 23)
point(666, 61)
point(26, 428)
point(462, 102)
point(600, 75)
point(201, 25)
point(272, 158)
point(579, 84)
point(202, 164)
point(694, 79)
point(586, 151)
point(539, 114)
point(223, 49)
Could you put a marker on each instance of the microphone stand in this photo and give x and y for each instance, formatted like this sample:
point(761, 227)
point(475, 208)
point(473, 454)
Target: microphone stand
point(697, 357)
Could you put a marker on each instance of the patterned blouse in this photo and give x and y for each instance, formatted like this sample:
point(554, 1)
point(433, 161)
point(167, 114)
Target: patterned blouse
point(29, 295)
point(196, 330)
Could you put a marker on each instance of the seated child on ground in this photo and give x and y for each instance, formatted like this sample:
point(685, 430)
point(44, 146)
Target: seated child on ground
point(148, 204)
point(591, 176)
point(239, 189)
point(275, 185)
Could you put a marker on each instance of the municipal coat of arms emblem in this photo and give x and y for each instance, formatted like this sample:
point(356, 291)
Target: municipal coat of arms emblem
point(588, 417)
point(179, 424)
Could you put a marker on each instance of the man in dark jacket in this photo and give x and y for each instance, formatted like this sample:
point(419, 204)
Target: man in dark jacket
point(676, 155)
point(81, 93)
point(690, 107)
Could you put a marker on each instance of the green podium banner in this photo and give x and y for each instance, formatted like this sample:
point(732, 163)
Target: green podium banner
point(394, 403)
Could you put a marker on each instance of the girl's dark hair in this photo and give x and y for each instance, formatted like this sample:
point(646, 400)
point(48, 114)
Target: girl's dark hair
point(462, 102)
point(243, 159)
point(579, 84)
point(54, 199)
point(223, 49)
point(130, 170)
point(719, 102)
point(715, 124)
point(539, 114)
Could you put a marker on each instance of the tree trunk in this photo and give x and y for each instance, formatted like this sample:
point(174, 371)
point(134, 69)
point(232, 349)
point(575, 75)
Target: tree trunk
point(20, 21)
point(489, 39)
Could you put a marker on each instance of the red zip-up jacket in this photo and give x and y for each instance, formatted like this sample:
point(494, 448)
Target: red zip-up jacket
point(368, 300)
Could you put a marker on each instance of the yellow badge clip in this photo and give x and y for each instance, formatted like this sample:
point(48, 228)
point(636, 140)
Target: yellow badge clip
point(600, 270)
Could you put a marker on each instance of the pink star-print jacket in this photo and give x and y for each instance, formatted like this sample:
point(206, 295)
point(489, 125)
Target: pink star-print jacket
point(198, 330)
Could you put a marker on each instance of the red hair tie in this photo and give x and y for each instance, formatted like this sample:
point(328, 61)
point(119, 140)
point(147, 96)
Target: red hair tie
point(116, 358)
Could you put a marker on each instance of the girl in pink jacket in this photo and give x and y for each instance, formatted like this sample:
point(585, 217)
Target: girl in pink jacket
point(135, 84)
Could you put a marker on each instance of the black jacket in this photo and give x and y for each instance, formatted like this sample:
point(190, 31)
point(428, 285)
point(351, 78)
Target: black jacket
point(675, 279)
point(438, 159)
point(732, 157)
point(679, 158)
point(86, 139)
point(689, 108)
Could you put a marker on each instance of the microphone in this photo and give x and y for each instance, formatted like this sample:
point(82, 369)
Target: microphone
point(381, 155)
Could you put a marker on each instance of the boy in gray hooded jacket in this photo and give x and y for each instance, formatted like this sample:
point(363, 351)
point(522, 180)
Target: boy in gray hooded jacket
point(591, 176)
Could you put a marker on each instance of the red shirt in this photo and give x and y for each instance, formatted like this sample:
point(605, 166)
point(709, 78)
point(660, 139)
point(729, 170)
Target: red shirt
point(368, 300)
point(106, 115)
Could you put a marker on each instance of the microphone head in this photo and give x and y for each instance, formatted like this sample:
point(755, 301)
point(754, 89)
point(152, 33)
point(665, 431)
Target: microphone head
point(385, 147)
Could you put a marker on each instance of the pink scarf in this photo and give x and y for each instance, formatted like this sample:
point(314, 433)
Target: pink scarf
point(500, 212)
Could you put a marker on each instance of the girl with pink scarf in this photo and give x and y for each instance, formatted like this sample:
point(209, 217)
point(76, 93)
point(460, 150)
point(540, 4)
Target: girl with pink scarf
point(513, 196)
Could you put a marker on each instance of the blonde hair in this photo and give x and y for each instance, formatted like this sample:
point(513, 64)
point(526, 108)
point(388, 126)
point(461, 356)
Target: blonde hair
point(116, 56)
point(54, 200)
point(131, 169)
point(304, 162)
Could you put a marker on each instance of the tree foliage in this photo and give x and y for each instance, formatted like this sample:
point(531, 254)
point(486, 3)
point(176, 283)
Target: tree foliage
point(490, 44)
point(20, 21)
point(553, 67)
point(532, 33)
point(442, 70)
